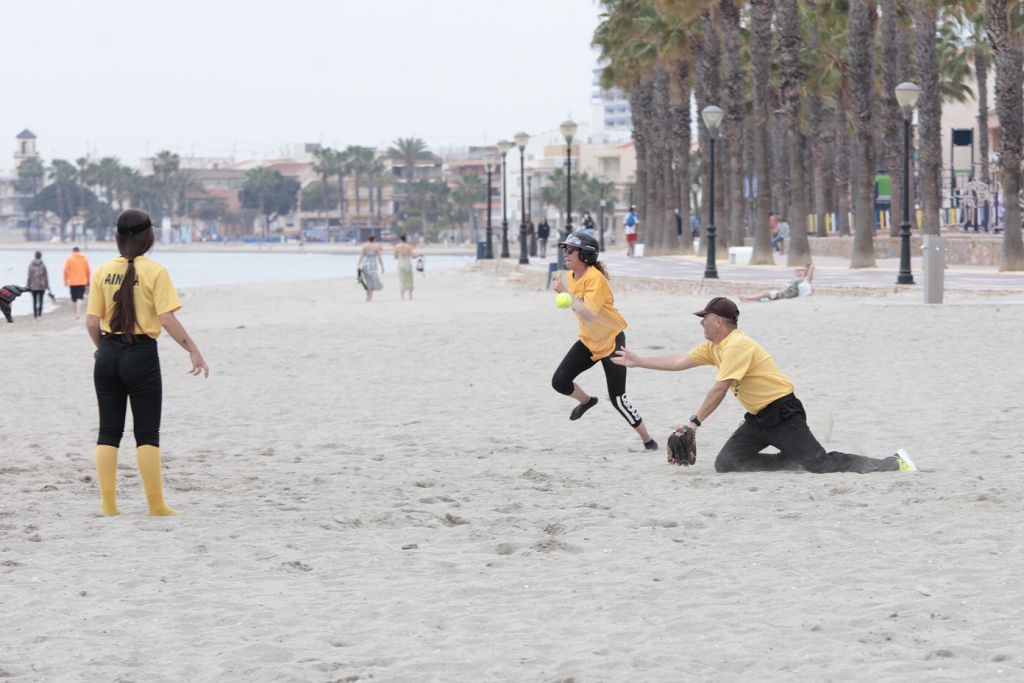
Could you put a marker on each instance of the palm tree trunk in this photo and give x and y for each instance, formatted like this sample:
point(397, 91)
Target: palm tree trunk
point(760, 57)
point(735, 112)
point(791, 88)
point(1009, 58)
point(929, 113)
point(841, 161)
point(981, 57)
point(862, 42)
point(680, 101)
point(892, 33)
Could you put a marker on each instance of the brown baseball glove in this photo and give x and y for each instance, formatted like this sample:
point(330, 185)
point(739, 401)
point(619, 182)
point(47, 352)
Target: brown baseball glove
point(682, 447)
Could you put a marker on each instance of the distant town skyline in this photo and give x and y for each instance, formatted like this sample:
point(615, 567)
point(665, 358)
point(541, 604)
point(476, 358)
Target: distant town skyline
point(252, 79)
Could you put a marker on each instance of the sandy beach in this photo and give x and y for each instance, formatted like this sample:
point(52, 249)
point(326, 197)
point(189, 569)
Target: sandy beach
point(394, 492)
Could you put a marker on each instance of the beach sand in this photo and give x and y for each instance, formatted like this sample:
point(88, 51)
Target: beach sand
point(393, 492)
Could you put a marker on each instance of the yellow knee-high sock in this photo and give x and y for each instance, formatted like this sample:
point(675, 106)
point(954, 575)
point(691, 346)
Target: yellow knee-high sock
point(148, 458)
point(106, 474)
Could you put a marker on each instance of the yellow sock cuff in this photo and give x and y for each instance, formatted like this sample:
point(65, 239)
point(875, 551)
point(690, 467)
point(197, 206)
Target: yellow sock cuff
point(149, 461)
point(106, 476)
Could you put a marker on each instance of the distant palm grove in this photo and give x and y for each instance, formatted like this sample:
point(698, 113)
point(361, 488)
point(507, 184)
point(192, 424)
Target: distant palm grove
point(810, 114)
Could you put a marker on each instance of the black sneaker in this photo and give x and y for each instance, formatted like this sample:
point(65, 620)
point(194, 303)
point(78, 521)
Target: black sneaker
point(651, 445)
point(578, 411)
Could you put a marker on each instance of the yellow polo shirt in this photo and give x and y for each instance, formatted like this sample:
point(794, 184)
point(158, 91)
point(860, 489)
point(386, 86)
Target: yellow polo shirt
point(154, 294)
point(756, 379)
point(599, 334)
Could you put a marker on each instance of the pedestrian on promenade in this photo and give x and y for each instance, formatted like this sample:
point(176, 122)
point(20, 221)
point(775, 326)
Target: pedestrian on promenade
point(404, 253)
point(76, 278)
point(589, 225)
point(38, 283)
point(543, 233)
point(775, 416)
point(801, 286)
point(369, 259)
point(601, 331)
point(630, 224)
point(781, 234)
point(679, 225)
point(694, 226)
point(131, 299)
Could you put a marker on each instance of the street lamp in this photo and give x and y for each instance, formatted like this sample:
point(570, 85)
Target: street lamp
point(503, 147)
point(489, 167)
point(521, 139)
point(600, 208)
point(906, 95)
point(529, 215)
point(712, 116)
point(568, 128)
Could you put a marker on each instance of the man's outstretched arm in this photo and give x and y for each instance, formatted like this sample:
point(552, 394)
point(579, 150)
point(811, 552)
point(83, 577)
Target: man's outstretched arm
point(626, 357)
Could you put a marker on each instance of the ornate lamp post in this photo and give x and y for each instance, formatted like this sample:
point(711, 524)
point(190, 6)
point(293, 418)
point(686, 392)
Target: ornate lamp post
point(712, 116)
point(521, 139)
point(529, 215)
point(568, 129)
point(600, 209)
point(906, 95)
point(489, 251)
point(503, 147)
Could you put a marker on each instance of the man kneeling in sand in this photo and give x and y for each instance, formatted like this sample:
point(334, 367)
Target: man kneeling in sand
point(369, 260)
point(775, 416)
point(801, 286)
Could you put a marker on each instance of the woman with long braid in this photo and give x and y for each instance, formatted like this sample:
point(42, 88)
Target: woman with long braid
point(130, 300)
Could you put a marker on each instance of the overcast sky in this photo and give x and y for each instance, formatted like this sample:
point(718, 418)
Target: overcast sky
point(127, 78)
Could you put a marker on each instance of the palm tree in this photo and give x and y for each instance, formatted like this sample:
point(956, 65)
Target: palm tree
point(862, 18)
point(893, 32)
point(359, 161)
point(409, 151)
point(165, 165)
point(1008, 48)
point(324, 166)
point(929, 112)
point(377, 176)
point(64, 174)
point(470, 191)
point(760, 59)
point(735, 106)
point(791, 90)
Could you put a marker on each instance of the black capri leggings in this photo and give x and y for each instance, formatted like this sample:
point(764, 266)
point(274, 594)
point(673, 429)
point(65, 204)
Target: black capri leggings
point(37, 302)
point(578, 360)
point(125, 372)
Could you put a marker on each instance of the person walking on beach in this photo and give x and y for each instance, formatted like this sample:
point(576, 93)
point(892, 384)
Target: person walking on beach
point(775, 416)
point(130, 300)
point(405, 254)
point(369, 259)
point(630, 224)
point(543, 233)
point(801, 286)
point(38, 283)
point(601, 331)
point(76, 278)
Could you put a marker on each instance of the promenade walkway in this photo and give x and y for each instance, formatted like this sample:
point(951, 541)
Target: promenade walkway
point(831, 273)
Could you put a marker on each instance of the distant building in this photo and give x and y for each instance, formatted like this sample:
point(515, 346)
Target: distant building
point(12, 202)
point(610, 115)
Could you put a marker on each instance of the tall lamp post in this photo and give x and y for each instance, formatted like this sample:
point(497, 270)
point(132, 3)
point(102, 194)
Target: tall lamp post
point(568, 129)
point(521, 139)
point(712, 116)
point(489, 251)
point(503, 147)
point(529, 215)
point(600, 209)
point(906, 95)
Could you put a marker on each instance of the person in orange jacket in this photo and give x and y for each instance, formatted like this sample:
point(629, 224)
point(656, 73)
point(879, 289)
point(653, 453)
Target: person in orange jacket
point(76, 278)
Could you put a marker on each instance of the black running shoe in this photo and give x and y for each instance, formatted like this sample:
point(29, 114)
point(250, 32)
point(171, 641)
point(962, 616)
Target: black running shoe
point(578, 411)
point(651, 445)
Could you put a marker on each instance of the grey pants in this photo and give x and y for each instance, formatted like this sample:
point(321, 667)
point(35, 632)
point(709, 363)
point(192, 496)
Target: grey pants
point(783, 424)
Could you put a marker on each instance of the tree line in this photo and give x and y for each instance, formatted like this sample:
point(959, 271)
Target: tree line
point(810, 114)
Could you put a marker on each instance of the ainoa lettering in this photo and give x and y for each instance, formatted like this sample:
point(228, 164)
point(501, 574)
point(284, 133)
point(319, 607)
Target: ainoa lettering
point(117, 279)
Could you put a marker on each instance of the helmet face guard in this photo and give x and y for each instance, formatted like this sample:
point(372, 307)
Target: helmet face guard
point(585, 243)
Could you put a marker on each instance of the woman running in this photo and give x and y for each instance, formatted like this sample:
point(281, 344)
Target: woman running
point(601, 333)
point(130, 299)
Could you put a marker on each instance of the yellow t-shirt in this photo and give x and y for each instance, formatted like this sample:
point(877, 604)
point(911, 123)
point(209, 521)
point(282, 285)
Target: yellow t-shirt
point(756, 379)
point(154, 294)
point(599, 334)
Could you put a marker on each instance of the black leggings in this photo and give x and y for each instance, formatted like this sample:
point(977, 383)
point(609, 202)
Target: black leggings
point(578, 360)
point(128, 371)
point(37, 302)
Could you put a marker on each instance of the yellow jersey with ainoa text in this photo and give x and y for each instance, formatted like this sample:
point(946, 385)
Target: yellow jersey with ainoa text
point(154, 294)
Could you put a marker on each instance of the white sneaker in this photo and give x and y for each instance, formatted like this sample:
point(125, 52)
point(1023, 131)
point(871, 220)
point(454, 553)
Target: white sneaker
point(906, 464)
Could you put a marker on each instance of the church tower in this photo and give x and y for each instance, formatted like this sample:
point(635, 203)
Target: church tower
point(26, 147)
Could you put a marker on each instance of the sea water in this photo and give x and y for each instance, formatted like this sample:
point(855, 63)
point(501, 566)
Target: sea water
point(205, 268)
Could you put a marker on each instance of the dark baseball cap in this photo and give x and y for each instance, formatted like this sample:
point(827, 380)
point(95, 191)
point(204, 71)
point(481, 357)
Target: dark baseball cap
point(722, 307)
